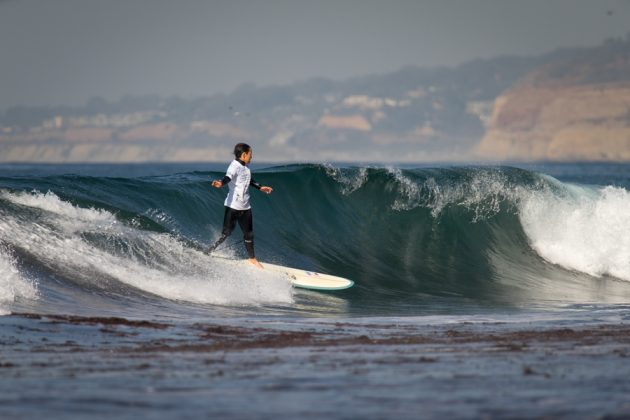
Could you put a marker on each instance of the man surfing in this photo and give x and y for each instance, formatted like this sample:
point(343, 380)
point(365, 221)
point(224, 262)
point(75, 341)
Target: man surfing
point(238, 177)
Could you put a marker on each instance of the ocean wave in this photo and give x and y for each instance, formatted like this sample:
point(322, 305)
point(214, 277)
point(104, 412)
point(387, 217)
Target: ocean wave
point(484, 234)
point(92, 248)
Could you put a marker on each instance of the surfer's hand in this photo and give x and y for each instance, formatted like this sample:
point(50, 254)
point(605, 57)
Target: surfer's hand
point(217, 184)
point(266, 190)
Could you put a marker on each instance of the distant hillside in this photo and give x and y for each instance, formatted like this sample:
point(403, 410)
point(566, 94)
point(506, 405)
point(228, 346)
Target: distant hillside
point(568, 104)
point(576, 106)
point(413, 114)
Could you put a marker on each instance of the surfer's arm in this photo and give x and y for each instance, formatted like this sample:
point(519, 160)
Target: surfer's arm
point(219, 183)
point(265, 189)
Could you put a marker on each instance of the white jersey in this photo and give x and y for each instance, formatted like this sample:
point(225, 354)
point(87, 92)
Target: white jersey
point(240, 175)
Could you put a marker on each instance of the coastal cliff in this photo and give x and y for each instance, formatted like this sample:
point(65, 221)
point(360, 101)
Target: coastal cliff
point(576, 107)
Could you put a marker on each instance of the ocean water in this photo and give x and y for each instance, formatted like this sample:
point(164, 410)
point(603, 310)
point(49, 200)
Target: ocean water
point(541, 246)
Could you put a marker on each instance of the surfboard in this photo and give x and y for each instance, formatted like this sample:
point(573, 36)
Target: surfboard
point(310, 279)
point(303, 279)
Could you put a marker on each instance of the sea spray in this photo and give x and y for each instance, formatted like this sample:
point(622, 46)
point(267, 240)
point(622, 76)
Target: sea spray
point(13, 284)
point(349, 179)
point(588, 231)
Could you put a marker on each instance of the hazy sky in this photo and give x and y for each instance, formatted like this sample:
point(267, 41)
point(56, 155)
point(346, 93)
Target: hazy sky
point(66, 51)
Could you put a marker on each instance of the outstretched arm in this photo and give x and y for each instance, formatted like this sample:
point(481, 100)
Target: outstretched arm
point(219, 183)
point(263, 188)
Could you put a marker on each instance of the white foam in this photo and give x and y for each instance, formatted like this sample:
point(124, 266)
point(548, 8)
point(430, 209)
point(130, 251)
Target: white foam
point(153, 262)
point(587, 230)
point(13, 284)
point(50, 202)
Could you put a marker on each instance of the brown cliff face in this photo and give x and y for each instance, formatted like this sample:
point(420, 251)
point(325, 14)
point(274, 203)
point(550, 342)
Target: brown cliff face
point(577, 108)
point(566, 123)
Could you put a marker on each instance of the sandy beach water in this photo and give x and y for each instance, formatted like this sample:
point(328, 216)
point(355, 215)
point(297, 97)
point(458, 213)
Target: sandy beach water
point(86, 367)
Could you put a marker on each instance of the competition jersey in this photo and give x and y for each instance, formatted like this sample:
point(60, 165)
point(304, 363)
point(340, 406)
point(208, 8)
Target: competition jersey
point(240, 178)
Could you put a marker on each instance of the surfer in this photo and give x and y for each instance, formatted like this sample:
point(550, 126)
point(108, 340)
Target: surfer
point(238, 177)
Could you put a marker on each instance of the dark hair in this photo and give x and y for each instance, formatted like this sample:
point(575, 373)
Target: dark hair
point(241, 148)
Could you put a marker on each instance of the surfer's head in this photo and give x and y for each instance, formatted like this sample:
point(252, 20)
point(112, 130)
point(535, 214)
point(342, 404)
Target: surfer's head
point(243, 152)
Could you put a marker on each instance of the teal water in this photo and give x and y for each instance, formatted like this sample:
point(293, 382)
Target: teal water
point(130, 239)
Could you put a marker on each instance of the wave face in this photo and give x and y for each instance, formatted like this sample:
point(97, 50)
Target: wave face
point(411, 239)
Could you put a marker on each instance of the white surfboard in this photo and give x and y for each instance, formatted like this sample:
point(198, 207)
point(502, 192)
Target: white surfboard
point(304, 279)
point(310, 279)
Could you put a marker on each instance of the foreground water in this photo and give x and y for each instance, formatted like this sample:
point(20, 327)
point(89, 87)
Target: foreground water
point(480, 291)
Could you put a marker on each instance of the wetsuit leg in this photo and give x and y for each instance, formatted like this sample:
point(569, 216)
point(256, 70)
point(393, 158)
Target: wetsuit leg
point(229, 223)
point(246, 222)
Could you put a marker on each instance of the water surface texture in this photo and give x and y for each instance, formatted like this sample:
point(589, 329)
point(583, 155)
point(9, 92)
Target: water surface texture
point(480, 291)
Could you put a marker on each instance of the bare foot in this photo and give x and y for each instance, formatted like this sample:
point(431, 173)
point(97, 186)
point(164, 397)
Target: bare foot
point(255, 262)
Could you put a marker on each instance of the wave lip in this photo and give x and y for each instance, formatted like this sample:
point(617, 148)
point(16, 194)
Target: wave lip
point(486, 234)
